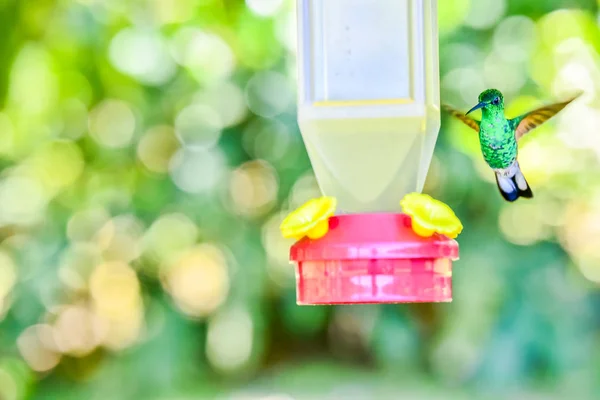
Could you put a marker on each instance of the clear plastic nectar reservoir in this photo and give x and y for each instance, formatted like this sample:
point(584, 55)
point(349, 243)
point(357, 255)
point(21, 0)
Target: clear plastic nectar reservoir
point(368, 105)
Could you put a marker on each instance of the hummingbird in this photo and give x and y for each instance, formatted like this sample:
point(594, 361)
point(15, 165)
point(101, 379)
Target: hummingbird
point(498, 138)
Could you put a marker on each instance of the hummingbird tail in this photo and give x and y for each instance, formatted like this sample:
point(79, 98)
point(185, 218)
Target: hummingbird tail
point(512, 184)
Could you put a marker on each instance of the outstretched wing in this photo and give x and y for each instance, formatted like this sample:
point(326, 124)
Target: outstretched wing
point(527, 122)
point(470, 122)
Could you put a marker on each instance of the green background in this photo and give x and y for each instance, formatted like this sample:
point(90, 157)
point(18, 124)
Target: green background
point(149, 151)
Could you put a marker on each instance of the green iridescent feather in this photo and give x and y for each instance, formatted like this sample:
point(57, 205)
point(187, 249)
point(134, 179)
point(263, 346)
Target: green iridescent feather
point(498, 135)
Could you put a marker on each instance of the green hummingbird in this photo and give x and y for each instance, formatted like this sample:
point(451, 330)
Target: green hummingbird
point(498, 137)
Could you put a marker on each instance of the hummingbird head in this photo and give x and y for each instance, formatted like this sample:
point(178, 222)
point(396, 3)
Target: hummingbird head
point(489, 99)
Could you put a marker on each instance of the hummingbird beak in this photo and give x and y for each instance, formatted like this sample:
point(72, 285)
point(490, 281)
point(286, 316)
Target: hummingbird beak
point(477, 107)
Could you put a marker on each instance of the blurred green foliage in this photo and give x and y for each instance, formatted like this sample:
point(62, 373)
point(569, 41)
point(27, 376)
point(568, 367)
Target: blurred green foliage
point(149, 150)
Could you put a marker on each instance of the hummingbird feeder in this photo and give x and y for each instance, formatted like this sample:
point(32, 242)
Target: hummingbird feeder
point(369, 114)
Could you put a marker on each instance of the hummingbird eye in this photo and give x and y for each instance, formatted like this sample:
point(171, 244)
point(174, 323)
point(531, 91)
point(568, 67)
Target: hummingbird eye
point(496, 101)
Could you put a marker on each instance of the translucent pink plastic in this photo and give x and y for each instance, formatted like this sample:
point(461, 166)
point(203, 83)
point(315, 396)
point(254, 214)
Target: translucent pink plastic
point(373, 258)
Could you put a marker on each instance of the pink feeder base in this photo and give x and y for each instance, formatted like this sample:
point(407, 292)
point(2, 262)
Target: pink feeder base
point(374, 281)
point(373, 258)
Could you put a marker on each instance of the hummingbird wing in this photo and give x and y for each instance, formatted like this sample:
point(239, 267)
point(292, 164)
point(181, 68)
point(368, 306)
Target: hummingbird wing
point(527, 122)
point(470, 122)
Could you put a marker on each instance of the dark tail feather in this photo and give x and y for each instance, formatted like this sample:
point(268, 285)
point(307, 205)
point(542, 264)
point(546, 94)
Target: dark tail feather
point(513, 187)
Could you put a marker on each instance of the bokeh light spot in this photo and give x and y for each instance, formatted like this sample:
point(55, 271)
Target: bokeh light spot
point(77, 263)
point(143, 55)
point(156, 148)
point(523, 223)
point(573, 23)
point(253, 188)
point(270, 140)
point(31, 346)
point(7, 134)
point(484, 14)
point(115, 288)
point(23, 201)
point(8, 386)
point(264, 8)
point(506, 76)
point(57, 165)
point(197, 171)
point(451, 14)
point(85, 224)
point(174, 11)
point(227, 99)
point(78, 331)
point(580, 236)
point(268, 94)
point(286, 31)
point(120, 238)
point(74, 118)
point(112, 123)
point(198, 126)
point(8, 274)
point(466, 82)
point(115, 291)
point(229, 340)
point(32, 72)
point(514, 38)
point(170, 235)
point(460, 54)
point(198, 280)
point(207, 56)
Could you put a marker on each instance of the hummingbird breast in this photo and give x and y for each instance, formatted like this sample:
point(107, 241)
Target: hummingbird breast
point(498, 143)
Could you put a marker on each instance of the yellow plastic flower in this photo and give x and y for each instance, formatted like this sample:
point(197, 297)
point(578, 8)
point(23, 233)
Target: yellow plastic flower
point(311, 219)
point(429, 215)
